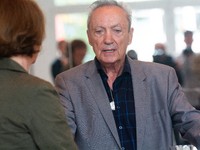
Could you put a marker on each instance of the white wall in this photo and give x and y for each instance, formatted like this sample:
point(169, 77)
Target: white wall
point(42, 66)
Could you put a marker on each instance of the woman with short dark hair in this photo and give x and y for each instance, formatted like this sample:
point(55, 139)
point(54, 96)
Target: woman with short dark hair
point(31, 115)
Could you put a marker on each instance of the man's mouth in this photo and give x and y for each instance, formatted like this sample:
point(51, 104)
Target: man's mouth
point(109, 50)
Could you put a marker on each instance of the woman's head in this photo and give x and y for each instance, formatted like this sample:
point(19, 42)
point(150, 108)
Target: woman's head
point(22, 27)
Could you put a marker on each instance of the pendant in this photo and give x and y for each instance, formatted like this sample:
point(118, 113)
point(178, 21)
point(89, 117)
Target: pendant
point(112, 105)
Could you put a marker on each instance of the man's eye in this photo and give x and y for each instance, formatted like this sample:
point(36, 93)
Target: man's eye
point(117, 31)
point(99, 31)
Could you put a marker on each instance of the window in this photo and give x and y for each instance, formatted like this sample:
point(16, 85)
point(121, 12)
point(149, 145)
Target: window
point(72, 2)
point(148, 30)
point(82, 2)
point(187, 18)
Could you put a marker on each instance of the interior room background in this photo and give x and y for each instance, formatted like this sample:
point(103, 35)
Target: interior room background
point(153, 21)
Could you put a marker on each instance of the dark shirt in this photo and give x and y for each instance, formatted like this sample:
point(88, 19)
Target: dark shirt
point(124, 113)
point(168, 60)
point(56, 68)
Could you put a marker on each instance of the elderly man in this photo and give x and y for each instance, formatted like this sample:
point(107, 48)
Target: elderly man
point(113, 102)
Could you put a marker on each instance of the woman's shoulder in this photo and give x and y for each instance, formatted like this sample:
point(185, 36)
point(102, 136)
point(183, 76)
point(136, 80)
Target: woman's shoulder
point(31, 82)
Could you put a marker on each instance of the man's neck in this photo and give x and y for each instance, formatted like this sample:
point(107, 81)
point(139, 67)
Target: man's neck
point(112, 71)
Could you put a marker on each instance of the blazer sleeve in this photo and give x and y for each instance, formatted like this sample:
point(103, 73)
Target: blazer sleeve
point(185, 118)
point(48, 124)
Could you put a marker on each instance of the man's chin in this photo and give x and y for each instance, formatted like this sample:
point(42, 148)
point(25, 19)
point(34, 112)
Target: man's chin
point(109, 60)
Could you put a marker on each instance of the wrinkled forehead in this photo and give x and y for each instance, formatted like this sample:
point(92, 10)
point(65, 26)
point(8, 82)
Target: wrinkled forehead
point(109, 15)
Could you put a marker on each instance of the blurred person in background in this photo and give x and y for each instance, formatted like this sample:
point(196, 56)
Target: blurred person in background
point(191, 83)
point(31, 115)
point(79, 50)
point(188, 39)
point(187, 58)
point(161, 57)
point(187, 52)
point(62, 63)
point(132, 54)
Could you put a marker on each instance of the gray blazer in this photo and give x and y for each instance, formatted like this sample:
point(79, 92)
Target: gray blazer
point(159, 105)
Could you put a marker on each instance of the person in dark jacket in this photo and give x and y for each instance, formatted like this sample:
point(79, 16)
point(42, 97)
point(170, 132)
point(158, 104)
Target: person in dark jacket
point(31, 115)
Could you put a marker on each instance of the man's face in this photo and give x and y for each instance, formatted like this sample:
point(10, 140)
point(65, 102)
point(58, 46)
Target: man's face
point(188, 39)
point(109, 34)
point(63, 48)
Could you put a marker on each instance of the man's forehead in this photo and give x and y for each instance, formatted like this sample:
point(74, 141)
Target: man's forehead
point(113, 15)
point(108, 10)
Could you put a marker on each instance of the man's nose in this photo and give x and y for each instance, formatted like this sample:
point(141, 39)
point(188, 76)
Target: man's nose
point(108, 38)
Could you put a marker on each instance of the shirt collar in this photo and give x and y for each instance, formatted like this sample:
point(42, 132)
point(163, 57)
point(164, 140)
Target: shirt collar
point(127, 67)
point(9, 64)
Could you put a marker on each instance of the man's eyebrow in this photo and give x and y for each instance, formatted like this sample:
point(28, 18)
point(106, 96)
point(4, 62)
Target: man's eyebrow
point(117, 25)
point(99, 27)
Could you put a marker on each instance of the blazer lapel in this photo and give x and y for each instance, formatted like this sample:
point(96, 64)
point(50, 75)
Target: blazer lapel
point(141, 100)
point(98, 91)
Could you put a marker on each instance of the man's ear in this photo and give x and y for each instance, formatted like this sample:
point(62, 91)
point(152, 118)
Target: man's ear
point(89, 39)
point(130, 36)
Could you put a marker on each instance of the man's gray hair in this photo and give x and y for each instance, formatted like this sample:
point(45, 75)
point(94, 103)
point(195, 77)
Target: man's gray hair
point(102, 3)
